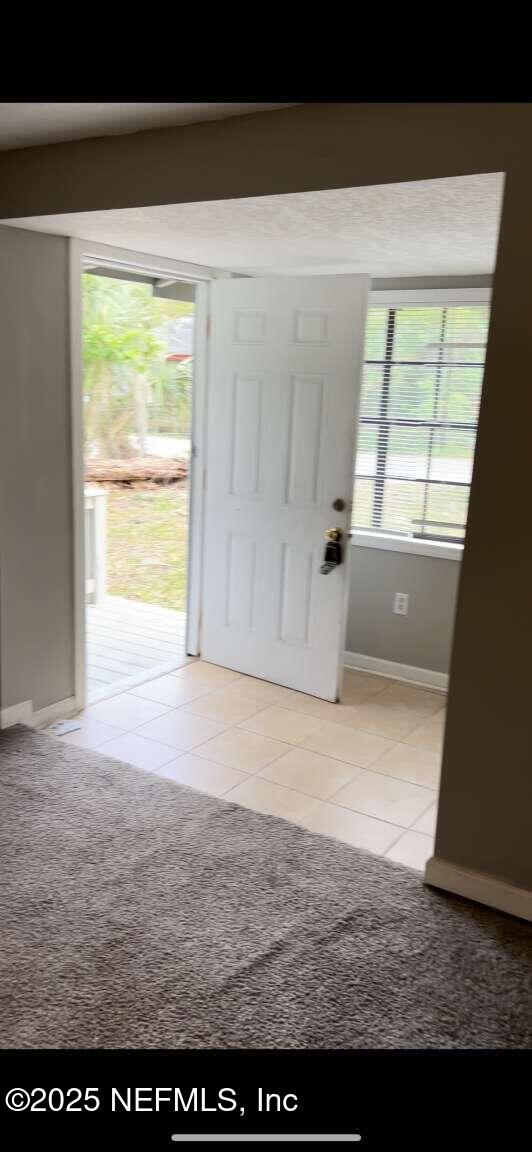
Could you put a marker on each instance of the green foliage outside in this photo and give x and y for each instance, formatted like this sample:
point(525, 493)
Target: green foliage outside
point(130, 391)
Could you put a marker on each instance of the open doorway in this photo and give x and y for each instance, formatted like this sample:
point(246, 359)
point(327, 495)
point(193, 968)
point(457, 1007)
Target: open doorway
point(138, 344)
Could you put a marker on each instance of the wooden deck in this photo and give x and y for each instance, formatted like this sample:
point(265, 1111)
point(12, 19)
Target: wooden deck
point(127, 640)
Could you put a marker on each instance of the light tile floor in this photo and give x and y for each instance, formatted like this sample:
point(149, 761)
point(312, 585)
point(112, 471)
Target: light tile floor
point(365, 771)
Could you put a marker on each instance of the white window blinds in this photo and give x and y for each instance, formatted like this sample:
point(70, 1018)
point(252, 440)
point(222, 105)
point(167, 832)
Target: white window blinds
point(421, 389)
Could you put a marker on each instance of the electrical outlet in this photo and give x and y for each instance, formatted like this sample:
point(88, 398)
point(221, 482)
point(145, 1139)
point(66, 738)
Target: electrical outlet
point(400, 603)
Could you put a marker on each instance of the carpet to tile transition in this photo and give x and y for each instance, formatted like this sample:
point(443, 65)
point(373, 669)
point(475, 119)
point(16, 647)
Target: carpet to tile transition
point(139, 913)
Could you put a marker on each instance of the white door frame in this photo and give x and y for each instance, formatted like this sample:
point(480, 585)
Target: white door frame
point(81, 252)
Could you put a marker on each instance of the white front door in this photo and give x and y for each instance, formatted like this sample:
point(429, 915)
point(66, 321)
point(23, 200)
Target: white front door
point(285, 356)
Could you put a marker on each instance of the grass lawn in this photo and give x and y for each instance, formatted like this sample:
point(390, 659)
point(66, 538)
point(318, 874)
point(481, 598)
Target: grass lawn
point(147, 544)
point(147, 535)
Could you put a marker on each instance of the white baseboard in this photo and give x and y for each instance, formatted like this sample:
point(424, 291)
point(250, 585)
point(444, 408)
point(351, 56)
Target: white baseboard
point(479, 886)
point(59, 711)
point(17, 714)
point(407, 672)
point(23, 713)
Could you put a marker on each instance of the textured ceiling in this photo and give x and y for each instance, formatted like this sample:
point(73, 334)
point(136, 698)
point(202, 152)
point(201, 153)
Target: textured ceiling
point(23, 125)
point(431, 227)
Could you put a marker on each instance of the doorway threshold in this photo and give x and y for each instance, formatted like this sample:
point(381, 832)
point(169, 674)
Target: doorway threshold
point(129, 643)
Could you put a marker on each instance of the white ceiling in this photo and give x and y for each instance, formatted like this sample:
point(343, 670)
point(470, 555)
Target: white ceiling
point(23, 125)
point(428, 228)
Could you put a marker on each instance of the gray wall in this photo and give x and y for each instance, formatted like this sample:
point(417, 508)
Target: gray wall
point(423, 638)
point(35, 471)
point(414, 282)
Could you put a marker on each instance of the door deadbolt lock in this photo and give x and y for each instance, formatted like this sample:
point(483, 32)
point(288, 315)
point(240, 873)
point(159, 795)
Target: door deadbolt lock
point(333, 550)
point(339, 504)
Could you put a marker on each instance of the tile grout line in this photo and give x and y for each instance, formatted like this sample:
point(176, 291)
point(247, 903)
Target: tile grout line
point(255, 772)
point(227, 795)
point(198, 750)
point(241, 726)
point(342, 807)
point(396, 841)
point(358, 769)
point(347, 727)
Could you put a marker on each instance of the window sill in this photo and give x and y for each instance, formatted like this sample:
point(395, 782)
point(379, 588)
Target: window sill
point(434, 548)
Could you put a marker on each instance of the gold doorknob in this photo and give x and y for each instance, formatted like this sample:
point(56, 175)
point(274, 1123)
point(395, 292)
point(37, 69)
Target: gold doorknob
point(334, 534)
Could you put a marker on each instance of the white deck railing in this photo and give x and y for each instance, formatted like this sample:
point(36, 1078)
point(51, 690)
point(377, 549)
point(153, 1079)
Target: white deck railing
point(95, 544)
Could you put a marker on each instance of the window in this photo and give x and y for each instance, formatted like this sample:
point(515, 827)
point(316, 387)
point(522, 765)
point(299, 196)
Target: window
point(421, 389)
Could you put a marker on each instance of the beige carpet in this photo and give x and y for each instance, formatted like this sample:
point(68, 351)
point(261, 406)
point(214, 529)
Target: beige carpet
point(138, 913)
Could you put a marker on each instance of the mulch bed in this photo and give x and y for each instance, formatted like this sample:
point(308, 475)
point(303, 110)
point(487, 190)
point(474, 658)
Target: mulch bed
point(128, 473)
